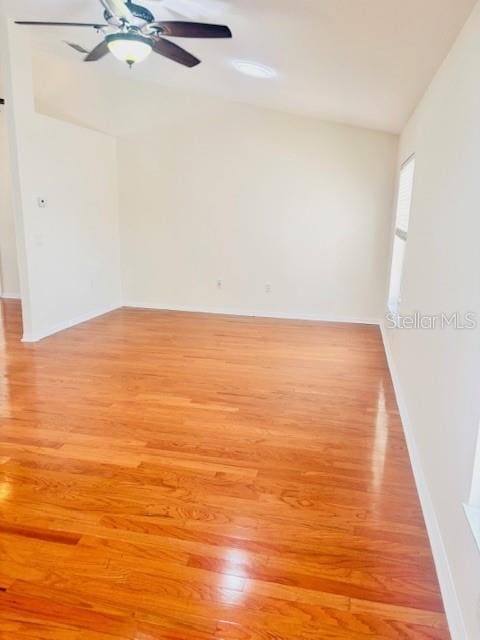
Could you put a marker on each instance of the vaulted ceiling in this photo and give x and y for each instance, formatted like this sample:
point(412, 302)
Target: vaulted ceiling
point(363, 62)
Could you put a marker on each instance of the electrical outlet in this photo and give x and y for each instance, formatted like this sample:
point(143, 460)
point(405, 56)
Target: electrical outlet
point(268, 288)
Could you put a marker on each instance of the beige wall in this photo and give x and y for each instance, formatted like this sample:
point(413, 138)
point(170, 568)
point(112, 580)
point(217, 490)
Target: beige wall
point(73, 244)
point(439, 371)
point(211, 189)
point(9, 282)
point(255, 197)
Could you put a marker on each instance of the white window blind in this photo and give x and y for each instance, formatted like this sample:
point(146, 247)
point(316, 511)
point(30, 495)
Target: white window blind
point(404, 205)
point(472, 509)
point(405, 191)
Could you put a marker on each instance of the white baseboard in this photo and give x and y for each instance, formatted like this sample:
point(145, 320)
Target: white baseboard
point(61, 326)
point(445, 578)
point(10, 296)
point(249, 313)
point(68, 324)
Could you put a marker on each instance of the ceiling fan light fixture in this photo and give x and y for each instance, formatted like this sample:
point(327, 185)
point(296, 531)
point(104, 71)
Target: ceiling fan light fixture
point(129, 47)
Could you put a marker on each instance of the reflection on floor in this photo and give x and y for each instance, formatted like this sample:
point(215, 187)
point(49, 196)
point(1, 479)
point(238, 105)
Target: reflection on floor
point(184, 476)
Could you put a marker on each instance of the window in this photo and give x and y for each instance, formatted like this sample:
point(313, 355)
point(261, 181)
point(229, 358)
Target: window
point(404, 203)
point(472, 509)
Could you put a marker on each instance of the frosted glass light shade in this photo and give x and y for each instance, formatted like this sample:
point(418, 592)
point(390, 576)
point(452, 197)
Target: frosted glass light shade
point(129, 47)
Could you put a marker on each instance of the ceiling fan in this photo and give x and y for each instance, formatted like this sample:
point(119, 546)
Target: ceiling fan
point(131, 33)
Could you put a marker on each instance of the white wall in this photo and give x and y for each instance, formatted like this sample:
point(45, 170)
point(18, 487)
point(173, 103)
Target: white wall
point(9, 281)
point(251, 196)
point(73, 244)
point(242, 194)
point(438, 372)
point(69, 254)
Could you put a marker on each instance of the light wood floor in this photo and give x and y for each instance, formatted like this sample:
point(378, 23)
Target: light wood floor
point(192, 477)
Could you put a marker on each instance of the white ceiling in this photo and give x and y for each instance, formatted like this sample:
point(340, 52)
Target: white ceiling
point(363, 62)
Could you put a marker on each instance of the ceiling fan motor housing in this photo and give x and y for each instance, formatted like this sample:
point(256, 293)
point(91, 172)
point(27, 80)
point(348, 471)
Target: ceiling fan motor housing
point(139, 12)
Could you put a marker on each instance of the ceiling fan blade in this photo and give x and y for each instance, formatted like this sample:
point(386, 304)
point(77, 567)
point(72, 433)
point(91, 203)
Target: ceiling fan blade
point(180, 29)
point(61, 24)
point(100, 51)
point(174, 52)
point(75, 46)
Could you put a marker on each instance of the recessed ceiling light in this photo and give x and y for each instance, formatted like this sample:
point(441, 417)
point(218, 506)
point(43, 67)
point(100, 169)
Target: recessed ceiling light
point(254, 69)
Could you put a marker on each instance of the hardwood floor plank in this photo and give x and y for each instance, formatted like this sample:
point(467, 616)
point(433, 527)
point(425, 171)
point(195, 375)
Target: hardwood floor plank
point(14, 606)
point(174, 476)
